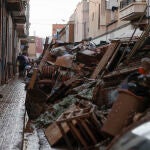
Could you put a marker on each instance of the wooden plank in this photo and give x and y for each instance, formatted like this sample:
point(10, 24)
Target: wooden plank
point(65, 136)
point(32, 80)
point(103, 62)
point(77, 133)
point(140, 42)
point(76, 114)
point(113, 56)
point(143, 36)
point(119, 72)
point(91, 135)
point(46, 45)
point(54, 134)
point(44, 59)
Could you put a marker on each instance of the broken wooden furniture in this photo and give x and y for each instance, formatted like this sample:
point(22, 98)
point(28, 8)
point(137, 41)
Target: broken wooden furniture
point(87, 58)
point(61, 90)
point(107, 56)
point(35, 103)
point(53, 133)
point(124, 69)
point(82, 124)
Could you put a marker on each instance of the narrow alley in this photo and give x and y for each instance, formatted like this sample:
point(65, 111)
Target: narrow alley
point(12, 114)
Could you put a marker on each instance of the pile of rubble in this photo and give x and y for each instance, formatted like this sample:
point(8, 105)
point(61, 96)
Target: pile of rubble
point(73, 94)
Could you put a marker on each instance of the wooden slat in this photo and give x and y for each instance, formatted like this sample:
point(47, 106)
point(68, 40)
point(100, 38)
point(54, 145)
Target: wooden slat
point(78, 135)
point(44, 59)
point(91, 135)
point(65, 137)
point(54, 134)
point(70, 121)
point(103, 62)
point(113, 56)
point(32, 80)
point(122, 71)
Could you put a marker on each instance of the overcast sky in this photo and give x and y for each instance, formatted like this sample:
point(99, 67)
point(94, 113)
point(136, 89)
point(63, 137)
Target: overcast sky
point(44, 13)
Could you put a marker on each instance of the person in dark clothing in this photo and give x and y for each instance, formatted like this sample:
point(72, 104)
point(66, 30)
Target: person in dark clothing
point(22, 62)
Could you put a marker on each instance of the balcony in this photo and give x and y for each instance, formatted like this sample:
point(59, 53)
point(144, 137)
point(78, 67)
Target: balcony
point(19, 17)
point(14, 5)
point(131, 9)
point(21, 30)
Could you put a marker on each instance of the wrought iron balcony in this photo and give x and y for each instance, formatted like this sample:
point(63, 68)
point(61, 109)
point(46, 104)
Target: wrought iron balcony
point(131, 9)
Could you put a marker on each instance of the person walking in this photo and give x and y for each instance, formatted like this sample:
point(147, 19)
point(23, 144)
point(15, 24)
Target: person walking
point(21, 61)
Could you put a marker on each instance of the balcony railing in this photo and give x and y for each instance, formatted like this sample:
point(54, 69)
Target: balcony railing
point(19, 16)
point(19, 19)
point(131, 9)
point(125, 3)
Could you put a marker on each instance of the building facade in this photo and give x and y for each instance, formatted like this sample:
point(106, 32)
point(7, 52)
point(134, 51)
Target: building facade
point(118, 19)
point(67, 33)
point(99, 17)
point(32, 47)
point(35, 47)
point(12, 25)
point(81, 21)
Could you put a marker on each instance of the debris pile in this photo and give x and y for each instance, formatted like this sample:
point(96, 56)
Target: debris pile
point(73, 94)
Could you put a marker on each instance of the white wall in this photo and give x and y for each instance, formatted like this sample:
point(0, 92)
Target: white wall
point(120, 33)
point(81, 20)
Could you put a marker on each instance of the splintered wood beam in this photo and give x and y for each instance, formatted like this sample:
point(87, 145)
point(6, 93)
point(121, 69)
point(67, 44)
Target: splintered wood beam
point(32, 80)
point(103, 62)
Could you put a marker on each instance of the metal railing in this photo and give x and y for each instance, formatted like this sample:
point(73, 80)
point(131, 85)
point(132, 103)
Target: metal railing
point(125, 3)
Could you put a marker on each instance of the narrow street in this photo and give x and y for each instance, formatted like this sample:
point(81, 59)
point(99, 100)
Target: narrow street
point(12, 111)
point(12, 120)
point(75, 75)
